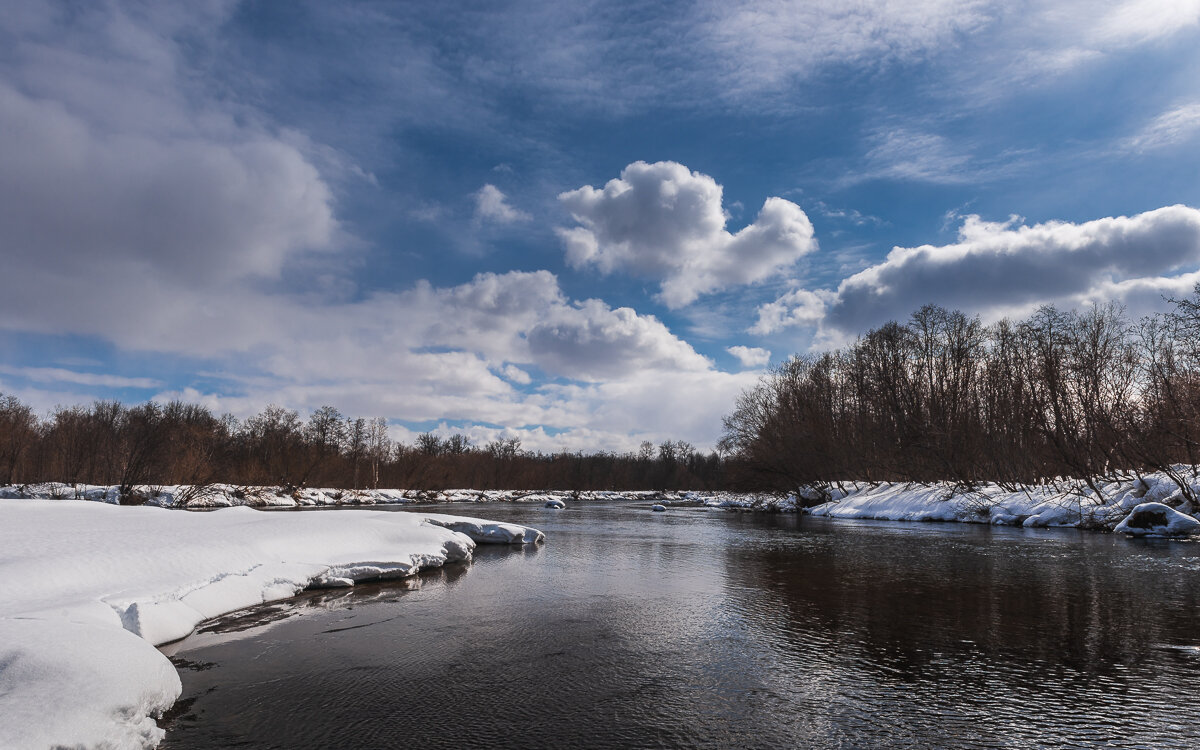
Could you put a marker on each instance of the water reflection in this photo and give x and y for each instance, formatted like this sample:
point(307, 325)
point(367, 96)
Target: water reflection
point(966, 637)
point(701, 629)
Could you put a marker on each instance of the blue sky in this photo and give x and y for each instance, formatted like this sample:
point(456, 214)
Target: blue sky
point(581, 224)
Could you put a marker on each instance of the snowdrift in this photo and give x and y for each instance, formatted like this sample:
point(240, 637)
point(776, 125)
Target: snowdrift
point(1066, 503)
point(88, 589)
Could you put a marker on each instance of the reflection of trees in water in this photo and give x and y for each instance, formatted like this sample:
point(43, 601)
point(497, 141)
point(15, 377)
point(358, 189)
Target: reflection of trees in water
point(906, 602)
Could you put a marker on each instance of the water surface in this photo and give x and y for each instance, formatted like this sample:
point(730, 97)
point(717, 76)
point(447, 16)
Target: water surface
point(710, 629)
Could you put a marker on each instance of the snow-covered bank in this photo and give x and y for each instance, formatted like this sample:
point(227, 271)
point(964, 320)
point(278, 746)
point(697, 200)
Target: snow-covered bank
point(88, 589)
point(1164, 509)
point(231, 495)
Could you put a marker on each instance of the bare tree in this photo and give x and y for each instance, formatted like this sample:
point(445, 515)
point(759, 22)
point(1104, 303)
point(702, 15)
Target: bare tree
point(18, 430)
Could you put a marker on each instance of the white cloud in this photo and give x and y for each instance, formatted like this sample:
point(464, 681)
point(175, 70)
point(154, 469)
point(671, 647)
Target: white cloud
point(908, 155)
point(138, 208)
point(430, 353)
point(1176, 125)
point(1140, 21)
point(515, 374)
point(799, 307)
point(115, 163)
point(997, 269)
point(750, 356)
point(591, 341)
point(665, 222)
point(764, 43)
point(687, 405)
point(492, 205)
point(61, 375)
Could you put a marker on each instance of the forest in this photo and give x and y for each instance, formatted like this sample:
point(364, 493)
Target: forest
point(111, 443)
point(1083, 396)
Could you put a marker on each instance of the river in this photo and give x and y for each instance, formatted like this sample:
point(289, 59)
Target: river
point(710, 629)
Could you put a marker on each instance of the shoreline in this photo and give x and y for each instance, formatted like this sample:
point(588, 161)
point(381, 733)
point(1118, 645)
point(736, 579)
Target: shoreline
point(89, 590)
point(1066, 503)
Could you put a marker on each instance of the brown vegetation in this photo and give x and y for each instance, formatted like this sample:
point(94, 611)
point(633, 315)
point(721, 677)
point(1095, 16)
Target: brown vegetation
point(1086, 395)
point(177, 443)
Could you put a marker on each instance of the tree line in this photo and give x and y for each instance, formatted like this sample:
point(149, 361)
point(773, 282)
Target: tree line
point(1080, 396)
point(110, 443)
point(1073, 395)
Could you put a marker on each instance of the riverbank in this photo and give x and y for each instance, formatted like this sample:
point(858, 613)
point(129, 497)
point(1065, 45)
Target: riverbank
point(88, 589)
point(1064, 504)
point(266, 496)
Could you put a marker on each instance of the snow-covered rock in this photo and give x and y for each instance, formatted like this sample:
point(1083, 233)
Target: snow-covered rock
point(657, 508)
point(87, 590)
point(555, 503)
point(1157, 519)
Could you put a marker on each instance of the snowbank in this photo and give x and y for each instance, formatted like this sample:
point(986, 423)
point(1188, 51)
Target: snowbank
point(88, 589)
point(1063, 505)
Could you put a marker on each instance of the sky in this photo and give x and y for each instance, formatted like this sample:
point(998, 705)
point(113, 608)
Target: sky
point(581, 224)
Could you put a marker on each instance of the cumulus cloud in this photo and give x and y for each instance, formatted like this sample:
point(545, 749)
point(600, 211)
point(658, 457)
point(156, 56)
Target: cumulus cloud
point(750, 356)
point(666, 222)
point(799, 307)
point(492, 205)
point(463, 352)
point(515, 374)
point(141, 208)
point(114, 164)
point(688, 404)
point(591, 341)
point(1008, 268)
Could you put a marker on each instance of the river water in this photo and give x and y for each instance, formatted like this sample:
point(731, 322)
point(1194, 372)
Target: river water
point(710, 629)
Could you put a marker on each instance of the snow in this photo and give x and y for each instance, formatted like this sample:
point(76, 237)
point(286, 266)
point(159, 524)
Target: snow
point(1061, 504)
point(487, 532)
point(658, 508)
point(555, 503)
point(230, 495)
point(1156, 519)
point(87, 589)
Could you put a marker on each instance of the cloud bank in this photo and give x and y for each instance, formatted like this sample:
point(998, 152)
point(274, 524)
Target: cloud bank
point(1007, 268)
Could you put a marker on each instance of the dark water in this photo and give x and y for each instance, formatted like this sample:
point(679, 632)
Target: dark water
point(709, 629)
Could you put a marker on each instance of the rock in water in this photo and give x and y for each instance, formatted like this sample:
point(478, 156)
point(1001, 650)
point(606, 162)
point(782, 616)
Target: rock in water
point(658, 508)
point(556, 504)
point(1156, 519)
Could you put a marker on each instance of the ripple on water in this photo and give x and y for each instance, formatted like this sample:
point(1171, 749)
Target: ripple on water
point(715, 630)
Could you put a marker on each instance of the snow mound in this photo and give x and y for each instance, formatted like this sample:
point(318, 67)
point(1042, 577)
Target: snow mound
point(486, 532)
point(1156, 519)
point(87, 590)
